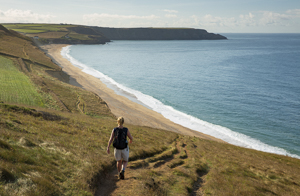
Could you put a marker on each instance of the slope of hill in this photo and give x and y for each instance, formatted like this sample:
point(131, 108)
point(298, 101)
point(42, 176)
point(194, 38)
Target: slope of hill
point(47, 152)
point(78, 34)
point(21, 52)
point(59, 33)
point(59, 148)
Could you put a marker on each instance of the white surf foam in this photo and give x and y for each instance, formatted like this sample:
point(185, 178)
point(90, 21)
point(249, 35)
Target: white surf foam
point(176, 116)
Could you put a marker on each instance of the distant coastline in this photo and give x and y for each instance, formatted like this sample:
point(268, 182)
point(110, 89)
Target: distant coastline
point(81, 34)
point(157, 34)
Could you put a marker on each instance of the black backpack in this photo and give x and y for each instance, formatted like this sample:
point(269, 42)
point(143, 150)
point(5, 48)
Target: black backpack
point(120, 141)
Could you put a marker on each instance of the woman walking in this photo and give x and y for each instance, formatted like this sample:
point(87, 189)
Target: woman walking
point(119, 138)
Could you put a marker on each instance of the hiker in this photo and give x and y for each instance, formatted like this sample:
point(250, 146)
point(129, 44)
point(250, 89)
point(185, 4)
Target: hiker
point(119, 138)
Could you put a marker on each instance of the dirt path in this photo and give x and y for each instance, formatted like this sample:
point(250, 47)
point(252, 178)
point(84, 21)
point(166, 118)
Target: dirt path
point(136, 177)
point(113, 186)
point(24, 52)
point(80, 104)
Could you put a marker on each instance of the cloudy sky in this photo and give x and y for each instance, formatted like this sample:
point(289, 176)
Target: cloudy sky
point(217, 16)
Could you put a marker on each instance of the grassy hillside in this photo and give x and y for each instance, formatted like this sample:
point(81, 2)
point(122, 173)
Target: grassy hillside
point(59, 33)
point(23, 50)
point(15, 86)
point(59, 147)
point(57, 153)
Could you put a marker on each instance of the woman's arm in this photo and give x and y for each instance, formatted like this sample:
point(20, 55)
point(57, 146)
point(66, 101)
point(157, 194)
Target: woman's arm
point(130, 137)
point(110, 141)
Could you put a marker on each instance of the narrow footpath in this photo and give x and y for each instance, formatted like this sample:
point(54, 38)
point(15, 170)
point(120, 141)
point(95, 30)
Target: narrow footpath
point(137, 176)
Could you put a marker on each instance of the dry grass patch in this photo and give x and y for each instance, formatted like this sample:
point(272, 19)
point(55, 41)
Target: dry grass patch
point(65, 155)
point(212, 168)
point(48, 35)
point(17, 45)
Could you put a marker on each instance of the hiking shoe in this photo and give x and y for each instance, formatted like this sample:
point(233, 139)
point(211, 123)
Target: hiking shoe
point(122, 174)
point(119, 175)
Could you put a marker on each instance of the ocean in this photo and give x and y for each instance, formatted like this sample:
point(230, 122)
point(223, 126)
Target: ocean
point(244, 90)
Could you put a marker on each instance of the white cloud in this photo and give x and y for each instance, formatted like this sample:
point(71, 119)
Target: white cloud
point(272, 18)
point(246, 20)
point(254, 21)
point(115, 20)
point(116, 16)
point(249, 16)
point(213, 21)
point(20, 16)
point(209, 19)
point(170, 11)
point(262, 20)
point(170, 15)
point(294, 13)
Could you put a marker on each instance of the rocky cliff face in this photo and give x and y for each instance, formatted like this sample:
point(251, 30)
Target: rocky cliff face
point(94, 36)
point(156, 34)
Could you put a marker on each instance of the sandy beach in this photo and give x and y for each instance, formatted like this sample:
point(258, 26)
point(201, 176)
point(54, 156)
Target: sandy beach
point(133, 113)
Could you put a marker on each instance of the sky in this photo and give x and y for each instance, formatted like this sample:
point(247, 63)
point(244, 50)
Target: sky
point(216, 16)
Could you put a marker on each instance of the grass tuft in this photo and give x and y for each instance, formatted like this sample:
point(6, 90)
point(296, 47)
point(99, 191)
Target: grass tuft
point(176, 163)
point(26, 142)
point(5, 145)
point(6, 176)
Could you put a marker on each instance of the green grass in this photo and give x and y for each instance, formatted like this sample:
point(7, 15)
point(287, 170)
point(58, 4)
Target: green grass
point(79, 36)
point(55, 33)
point(36, 28)
point(17, 87)
point(29, 30)
point(213, 168)
point(23, 47)
point(61, 156)
point(52, 34)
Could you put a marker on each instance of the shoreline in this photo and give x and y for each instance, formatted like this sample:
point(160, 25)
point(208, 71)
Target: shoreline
point(133, 113)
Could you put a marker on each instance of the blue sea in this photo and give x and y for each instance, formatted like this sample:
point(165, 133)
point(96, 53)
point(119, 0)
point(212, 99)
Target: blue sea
point(244, 90)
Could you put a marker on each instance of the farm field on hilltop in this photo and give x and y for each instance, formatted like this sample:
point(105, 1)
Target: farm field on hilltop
point(58, 33)
point(36, 28)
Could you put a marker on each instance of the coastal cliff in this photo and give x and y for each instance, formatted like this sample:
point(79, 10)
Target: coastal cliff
point(91, 36)
point(157, 34)
point(80, 34)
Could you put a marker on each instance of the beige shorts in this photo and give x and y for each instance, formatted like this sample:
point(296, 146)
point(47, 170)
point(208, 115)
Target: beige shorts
point(122, 154)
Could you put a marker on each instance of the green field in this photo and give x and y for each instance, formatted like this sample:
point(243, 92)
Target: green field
point(36, 28)
point(16, 87)
point(56, 33)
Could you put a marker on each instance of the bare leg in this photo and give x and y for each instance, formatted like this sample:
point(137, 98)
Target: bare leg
point(124, 165)
point(119, 165)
